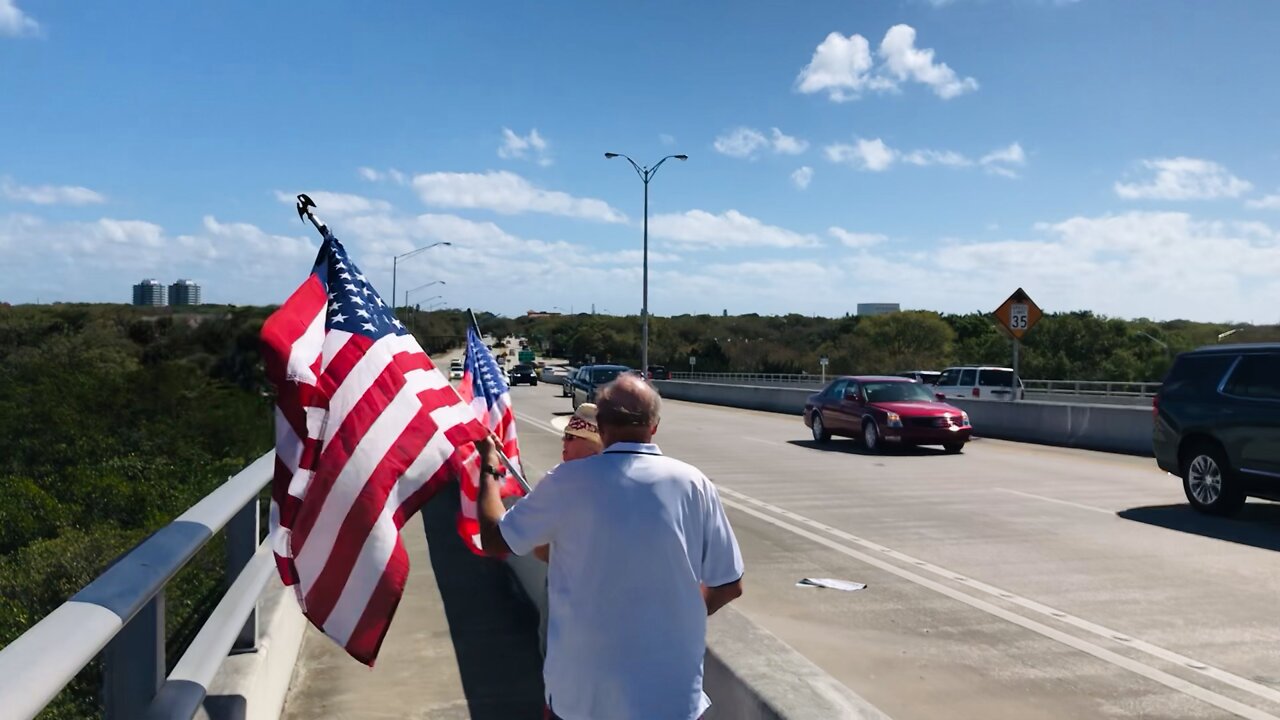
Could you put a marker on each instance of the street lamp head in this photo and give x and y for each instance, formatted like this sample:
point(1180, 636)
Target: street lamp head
point(610, 156)
point(682, 157)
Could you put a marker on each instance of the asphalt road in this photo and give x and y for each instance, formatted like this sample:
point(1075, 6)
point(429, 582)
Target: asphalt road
point(1012, 581)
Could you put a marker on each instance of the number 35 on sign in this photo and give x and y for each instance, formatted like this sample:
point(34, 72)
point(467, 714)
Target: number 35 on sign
point(1018, 314)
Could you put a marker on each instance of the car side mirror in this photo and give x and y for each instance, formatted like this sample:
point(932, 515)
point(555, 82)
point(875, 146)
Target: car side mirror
point(940, 396)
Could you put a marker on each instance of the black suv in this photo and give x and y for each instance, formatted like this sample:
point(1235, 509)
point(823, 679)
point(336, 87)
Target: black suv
point(1217, 425)
point(590, 378)
point(523, 373)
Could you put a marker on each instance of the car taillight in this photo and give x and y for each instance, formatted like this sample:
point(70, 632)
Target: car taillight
point(1155, 406)
point(977, 392)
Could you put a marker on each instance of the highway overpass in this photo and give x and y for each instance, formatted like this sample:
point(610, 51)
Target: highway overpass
point(1012, 581)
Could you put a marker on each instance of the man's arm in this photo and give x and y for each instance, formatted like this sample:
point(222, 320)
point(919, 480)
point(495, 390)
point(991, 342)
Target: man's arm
point(489, 504)
point(718, 597)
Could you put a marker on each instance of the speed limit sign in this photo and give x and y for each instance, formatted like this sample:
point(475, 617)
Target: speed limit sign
point(1018, 316)
point(1019, 313)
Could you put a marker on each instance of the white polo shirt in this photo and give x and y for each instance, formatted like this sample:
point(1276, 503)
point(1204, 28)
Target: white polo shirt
point(634, 535)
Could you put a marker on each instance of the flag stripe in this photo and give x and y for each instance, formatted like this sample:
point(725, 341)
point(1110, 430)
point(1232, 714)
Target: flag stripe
point(363, 516)
point(347, 464)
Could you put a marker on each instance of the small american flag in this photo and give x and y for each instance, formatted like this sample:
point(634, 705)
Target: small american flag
point(482, 386)
point(367, 430)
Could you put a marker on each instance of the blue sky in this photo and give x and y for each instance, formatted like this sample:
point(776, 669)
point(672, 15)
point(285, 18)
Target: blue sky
point(1113, 156)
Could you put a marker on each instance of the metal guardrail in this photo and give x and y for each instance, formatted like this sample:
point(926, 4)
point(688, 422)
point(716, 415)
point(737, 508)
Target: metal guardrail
point(122, 615)
point(1095, 388)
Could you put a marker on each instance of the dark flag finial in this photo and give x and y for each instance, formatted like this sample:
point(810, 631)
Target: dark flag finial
point(305, 210)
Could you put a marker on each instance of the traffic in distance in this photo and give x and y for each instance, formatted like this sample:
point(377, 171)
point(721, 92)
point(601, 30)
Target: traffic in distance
point(1215, 418)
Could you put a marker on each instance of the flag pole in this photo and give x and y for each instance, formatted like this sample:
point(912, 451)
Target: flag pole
point(511, 468)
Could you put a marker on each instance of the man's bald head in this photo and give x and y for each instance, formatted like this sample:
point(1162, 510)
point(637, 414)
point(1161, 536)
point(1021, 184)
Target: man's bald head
point(628, 410)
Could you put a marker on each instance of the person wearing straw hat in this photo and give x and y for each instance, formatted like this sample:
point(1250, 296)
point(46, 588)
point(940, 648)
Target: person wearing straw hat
point(581, 434)
point(580, 438)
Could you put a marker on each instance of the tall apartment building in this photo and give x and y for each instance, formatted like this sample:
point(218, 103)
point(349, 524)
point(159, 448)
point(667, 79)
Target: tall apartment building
point(865, 309)
point(184, 292)
point(150, 292)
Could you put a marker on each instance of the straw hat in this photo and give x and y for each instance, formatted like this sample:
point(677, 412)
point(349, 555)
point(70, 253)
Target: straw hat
point(581, 424)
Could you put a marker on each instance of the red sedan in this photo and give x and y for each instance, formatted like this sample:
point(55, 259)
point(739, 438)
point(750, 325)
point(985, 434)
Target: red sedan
point(885, 410)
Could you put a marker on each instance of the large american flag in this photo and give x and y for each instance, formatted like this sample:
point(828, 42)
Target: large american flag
point(490, 397)
point(367, 430)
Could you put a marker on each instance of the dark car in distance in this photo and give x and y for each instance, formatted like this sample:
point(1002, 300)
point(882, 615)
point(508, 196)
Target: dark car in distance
point(1217, 425)
point(522, 373)
point(885, 410)
point(591, 378)
point(658, 372)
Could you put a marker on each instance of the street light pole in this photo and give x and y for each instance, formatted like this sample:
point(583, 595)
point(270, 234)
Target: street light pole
point(646, 174)
point(395, 261)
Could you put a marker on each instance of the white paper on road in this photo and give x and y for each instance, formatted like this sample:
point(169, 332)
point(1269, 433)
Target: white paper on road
point(830, 583)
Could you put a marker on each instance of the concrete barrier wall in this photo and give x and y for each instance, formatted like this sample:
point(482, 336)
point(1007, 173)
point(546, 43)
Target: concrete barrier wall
point(1113, 428)
point(749, 673)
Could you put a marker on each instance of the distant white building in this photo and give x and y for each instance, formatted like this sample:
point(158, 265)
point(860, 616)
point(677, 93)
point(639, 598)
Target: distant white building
point(877, 308)
point(184, 292)
point(150, 292)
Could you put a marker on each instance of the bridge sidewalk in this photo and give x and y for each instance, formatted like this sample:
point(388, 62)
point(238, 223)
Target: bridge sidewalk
point(463, 643)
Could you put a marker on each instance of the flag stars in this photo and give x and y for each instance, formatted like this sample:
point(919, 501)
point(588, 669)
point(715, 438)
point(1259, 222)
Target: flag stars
point(368, 326)
point(339, 318)
point(362, 313)
point(356, 299)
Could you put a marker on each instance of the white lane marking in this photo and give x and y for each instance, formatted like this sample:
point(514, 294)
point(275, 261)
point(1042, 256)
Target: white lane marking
point(1056, 500)
point(743, 502)
point(761, 440)
point(541, 425)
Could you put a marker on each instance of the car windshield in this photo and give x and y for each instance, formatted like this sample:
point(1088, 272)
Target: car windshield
point(599, 377)
point(523, 368)
point(896, 392)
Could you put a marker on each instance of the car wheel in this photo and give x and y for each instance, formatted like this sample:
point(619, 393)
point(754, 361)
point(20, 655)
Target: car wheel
point(953, 448)
point(870, 434)
point(820, 433)
point(534, 383)
point(1208, 482)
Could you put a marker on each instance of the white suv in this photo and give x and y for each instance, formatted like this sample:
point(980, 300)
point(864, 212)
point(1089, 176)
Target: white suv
point(455, 370)
point(980, 382)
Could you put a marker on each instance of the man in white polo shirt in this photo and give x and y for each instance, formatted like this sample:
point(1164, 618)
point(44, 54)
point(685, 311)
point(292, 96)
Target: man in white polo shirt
point(643, 554)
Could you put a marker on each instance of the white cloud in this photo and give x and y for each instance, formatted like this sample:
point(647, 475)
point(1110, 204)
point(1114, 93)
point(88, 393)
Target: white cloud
point(904, 61)
point(1266, 202)
point(740, 142)
point(14, 22)
point(509, 194)
point(50, 194)
point(701, 229)
point(97, 261)
point(843, 67)
point(787, 145)
point(802, 177)
point(532, 147)
point(924, 158)
point(330, 203)
point(871, 155)
point(856, 240)
point(876, 156)
point(1184, 178)
point(840, 66)
point(373, 175)
point(745, 142)
point(1003, 160)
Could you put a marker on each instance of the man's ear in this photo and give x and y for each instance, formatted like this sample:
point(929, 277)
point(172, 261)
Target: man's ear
point(654, 430)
